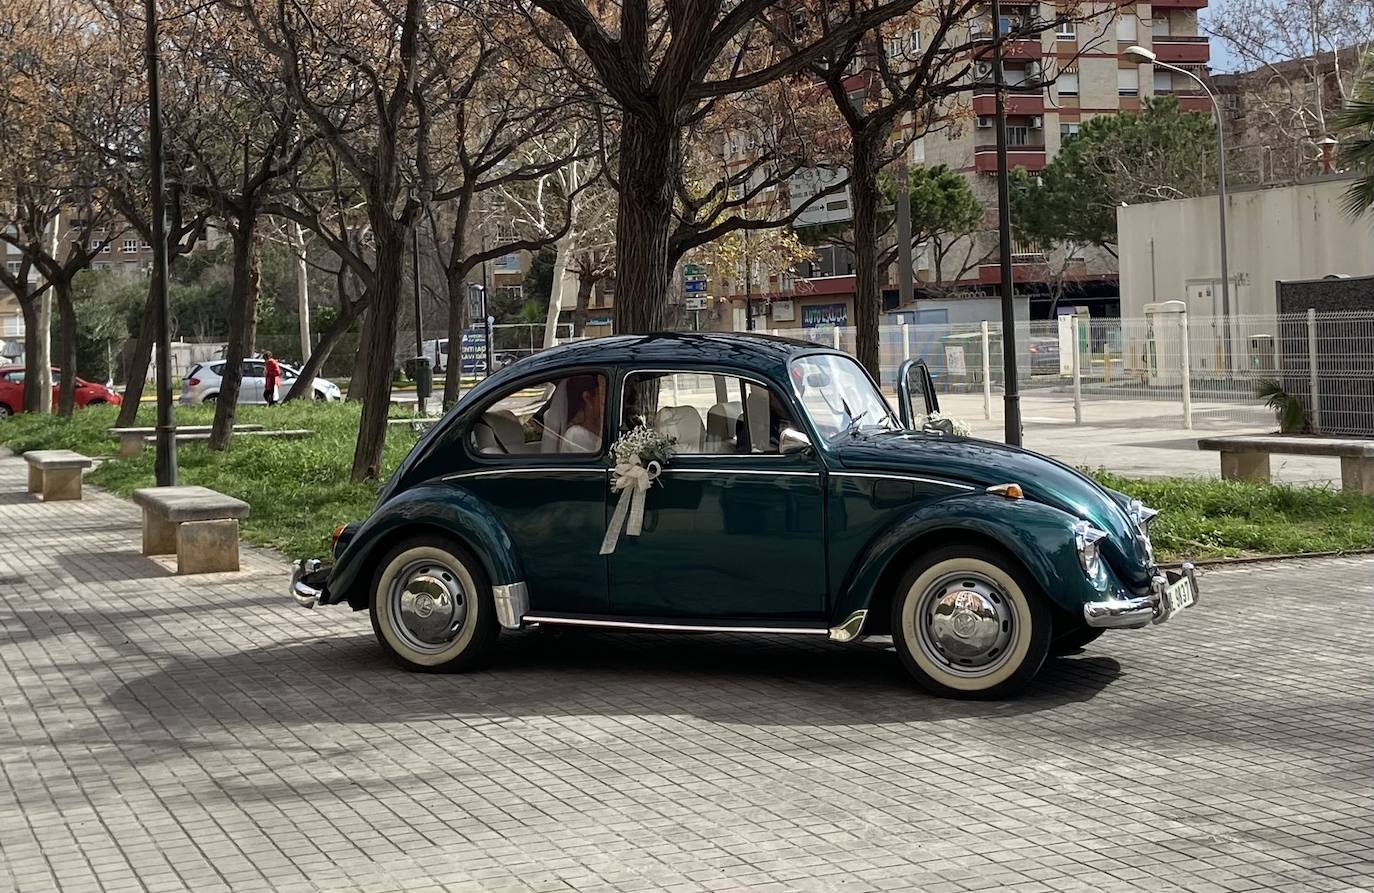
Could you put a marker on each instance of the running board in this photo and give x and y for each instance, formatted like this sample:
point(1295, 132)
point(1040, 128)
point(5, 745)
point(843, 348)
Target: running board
point(659, 626)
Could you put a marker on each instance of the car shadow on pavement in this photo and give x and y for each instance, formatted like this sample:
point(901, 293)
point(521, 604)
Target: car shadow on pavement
point(756, 680)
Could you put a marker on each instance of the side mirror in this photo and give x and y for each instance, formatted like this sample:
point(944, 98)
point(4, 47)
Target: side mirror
point(790, 440)
point(913, 376)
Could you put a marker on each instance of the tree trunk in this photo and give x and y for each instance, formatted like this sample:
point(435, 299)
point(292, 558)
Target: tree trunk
point(380, 343)
point(66, 402)
point(137, 371)
point(304, 385)
point(584, 293)
point(863, 190)
point(32, 348)
point(358, 376)
point(648, 156)
point(243, 320)
point(564, 247)
point(455, 282)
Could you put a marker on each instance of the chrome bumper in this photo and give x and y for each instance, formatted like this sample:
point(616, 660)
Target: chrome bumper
point(304, 577)
point(1134, 613)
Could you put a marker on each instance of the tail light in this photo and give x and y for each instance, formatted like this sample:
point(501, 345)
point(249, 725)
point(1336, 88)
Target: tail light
point(193, 381)
point(334, 539)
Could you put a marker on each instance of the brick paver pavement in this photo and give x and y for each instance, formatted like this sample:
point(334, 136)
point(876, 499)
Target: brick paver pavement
point(203, 733)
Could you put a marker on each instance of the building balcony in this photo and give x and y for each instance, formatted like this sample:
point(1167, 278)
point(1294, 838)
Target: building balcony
point(985, 104)
point(1032, 158)
point(1193, 102)
point(1179, 4)
point(1180, 50)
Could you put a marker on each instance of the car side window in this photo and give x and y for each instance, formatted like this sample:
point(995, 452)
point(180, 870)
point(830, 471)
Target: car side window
point(252, 369)
point(706, 413)
point(564, 416)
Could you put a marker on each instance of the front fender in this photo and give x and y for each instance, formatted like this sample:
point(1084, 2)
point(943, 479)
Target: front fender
point(435, 505)
point(1038, 535)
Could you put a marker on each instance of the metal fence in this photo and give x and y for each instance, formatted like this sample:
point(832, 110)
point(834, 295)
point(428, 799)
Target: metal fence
point(1170, 370)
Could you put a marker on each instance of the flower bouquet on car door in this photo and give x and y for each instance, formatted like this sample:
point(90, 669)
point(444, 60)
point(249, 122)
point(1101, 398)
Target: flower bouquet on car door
point(640, 456)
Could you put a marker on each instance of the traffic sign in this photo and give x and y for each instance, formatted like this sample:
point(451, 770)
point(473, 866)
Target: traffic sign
point(694, 303)
point(691, 271)
point(694, 286)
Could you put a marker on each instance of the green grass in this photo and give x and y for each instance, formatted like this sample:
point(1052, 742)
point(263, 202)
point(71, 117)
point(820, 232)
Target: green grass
point(299, 489)
point(1205, 518)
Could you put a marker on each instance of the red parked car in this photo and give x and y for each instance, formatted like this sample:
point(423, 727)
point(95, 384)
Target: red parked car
point(88, 393)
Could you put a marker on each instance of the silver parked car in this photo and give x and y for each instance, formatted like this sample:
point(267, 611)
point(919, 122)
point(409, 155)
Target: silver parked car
point(202, 383)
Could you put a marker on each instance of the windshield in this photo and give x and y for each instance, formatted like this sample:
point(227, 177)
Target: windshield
point(839, 396)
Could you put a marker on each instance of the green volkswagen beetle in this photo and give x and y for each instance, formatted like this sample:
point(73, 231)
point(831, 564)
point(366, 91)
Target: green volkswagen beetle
point(795, 503)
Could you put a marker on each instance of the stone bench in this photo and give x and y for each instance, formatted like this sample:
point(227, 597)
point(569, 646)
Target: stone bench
point(199, 525)
point(56, 474)
point(1246, 457)
point(204, 436)
point(131, 440)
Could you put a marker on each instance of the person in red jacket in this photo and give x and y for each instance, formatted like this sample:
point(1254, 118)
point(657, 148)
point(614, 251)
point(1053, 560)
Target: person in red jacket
point(271, 375)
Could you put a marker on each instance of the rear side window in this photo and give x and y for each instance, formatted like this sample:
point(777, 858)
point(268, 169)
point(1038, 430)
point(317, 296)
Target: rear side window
point(218, 369)
point(192, 372)
point(561, 416)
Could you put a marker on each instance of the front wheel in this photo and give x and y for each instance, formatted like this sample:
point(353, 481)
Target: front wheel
point(968, 622)
point(5, 411)
point(431, 606)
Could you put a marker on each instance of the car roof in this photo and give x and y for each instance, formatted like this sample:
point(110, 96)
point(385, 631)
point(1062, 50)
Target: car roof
point(756, 352)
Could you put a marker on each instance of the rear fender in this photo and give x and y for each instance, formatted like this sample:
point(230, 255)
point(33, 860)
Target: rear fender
point(1037, 535)
point(433, 506)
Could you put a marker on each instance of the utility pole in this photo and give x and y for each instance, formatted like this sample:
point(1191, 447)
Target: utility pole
point(1011, 398)
point(165, 462)
point(748, 286)
point(906, 287)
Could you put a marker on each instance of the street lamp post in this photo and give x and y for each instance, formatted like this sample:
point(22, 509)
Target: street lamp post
point(1140, 55)
point(165, 461)
point(1011, 397)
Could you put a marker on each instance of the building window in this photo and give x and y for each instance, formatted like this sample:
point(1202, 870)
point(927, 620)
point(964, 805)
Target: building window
point(106, 266)
point(1164, 81)
point(13, 268)
point(505, 231)
point(1018, 136)
point(145, 245)
point(1160, 27)
point(918, 150)
point(130, 246)
point(1126, 25)
point(1068, 83)
point(1128, 81)
point(511, 292)
point(1067, 31)
point(1068, 130)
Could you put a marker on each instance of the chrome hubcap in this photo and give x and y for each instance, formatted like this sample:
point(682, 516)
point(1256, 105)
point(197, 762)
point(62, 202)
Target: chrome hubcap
point(428, 606)
point(965, 624)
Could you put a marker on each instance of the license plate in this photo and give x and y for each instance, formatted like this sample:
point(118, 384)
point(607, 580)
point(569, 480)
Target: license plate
point(1180, 594)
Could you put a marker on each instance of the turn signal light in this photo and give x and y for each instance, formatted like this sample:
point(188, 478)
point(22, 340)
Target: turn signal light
point(1010, 491)
point(334, 539)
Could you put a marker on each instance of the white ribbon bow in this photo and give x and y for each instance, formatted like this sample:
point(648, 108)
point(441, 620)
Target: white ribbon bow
point(632, 481)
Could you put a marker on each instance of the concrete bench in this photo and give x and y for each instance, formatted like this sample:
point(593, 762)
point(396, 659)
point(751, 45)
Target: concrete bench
point(56, 474)
point(419, 423)
point(199, 525)
point(131, 440)
point(1246, 457)
point(204, 436)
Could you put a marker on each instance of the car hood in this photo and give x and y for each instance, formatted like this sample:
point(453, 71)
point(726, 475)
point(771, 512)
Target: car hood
point(984, 463)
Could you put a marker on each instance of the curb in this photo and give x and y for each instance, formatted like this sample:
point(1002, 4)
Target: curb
point(1261, 559)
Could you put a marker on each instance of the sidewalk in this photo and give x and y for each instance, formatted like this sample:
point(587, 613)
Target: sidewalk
point(162, 733)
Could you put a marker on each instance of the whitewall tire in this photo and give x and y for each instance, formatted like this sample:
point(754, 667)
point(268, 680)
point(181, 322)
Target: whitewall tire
point(431, 606)
point(968, 622)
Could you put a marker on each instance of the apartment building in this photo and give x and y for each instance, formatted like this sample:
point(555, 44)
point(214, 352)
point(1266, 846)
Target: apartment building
point(1056, 82)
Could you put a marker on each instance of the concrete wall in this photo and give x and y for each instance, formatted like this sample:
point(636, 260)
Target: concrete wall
point(1169, 250)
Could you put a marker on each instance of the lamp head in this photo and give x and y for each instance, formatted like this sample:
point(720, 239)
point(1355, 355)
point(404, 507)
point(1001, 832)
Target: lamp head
point(1139, 55)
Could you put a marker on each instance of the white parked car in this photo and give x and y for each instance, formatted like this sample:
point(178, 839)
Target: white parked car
point(202, 383)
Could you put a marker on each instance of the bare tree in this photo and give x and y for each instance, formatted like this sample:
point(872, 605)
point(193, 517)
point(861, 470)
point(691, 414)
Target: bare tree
point(661, 64)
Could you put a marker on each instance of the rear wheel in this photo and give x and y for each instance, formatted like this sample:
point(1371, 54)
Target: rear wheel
point(209, 398)
point(5, 411)
point(431, 606)
point(968, 622)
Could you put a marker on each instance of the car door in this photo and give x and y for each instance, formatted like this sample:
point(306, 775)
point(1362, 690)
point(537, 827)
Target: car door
point(733, 529)
point(250, 390)
point(539, 465)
